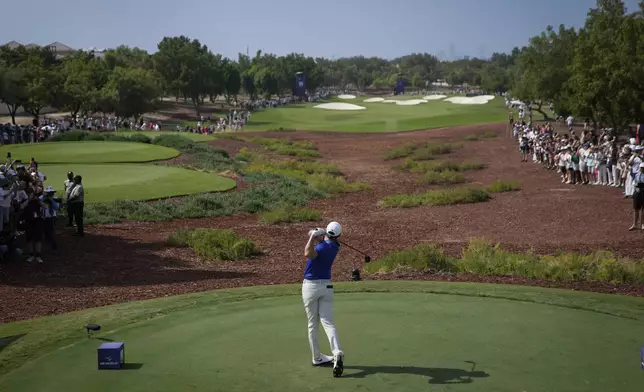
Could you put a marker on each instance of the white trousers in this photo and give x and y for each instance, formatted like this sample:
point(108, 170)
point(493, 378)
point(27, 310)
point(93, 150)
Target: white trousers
point(629, 185)
point(318, 303)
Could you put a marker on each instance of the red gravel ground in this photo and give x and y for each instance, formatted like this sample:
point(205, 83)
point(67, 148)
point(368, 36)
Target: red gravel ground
point(130, 261)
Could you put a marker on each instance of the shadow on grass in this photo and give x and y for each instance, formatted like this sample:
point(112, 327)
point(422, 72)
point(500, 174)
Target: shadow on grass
point(131, 366)
point(7, 340)
point(435, 375)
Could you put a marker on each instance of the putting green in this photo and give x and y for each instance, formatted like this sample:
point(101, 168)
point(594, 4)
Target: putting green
point(88, 152)
point(135, 181)
point(378, 117)
point(401, 336)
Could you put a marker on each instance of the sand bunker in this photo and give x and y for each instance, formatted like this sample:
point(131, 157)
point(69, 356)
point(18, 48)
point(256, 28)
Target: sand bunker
point(410, 102)
point(339, 106)
point(434, 97)
point(374, 100)
point(479, 100)
point(346, 96)
point(389, 101)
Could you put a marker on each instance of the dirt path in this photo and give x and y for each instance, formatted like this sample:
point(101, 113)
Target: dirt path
point(130, 261)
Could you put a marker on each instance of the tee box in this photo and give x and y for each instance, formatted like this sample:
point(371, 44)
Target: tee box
point(111, 355)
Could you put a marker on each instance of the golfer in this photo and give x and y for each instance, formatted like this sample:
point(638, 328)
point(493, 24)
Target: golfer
point(317, 293)
point(638, 198)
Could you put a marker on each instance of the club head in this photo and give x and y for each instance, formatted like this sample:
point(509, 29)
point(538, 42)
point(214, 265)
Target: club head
point(367, 259)
point(355, 275)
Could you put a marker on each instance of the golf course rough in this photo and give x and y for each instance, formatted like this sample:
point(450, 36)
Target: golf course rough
point(88, 152)
point(127, 181)
point(402, 336)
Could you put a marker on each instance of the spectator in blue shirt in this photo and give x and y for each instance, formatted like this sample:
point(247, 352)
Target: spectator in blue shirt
point(317, 293)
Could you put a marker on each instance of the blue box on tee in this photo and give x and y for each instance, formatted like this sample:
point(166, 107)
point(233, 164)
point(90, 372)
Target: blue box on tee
point(111, 355)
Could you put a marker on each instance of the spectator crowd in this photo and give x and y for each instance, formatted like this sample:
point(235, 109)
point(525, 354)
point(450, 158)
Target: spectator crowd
point(591, 157)
point(29, 210)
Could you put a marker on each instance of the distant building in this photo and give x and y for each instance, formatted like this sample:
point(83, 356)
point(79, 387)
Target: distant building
point(59, 49)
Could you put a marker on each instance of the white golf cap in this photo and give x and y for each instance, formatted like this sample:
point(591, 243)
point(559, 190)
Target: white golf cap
point(50, 189)
point(642, 165)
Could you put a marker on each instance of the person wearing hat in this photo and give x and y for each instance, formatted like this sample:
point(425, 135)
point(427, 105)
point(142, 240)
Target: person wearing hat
point(317, 293)
point(638, 198)
point(69, 185)
point(49, 214)
point(76, 202)
point(35, 225)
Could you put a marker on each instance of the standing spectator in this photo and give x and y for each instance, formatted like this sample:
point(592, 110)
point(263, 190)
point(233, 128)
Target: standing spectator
point(638, 197)
point(69, 185)
point(5, 203)
point(49, 214)
point(76, 203)
point(33, 216)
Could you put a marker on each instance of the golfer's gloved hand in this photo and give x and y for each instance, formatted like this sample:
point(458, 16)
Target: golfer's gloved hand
point(317, 232)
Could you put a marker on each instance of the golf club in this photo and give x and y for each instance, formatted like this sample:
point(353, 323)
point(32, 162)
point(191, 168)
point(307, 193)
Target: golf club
point(367, 258)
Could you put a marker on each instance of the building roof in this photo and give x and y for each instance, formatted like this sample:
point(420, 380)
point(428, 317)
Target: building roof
point(13, 44)
point(29, 46)
point(60, 47)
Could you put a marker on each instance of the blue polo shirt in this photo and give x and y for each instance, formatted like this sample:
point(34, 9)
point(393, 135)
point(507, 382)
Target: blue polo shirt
point(320, 267)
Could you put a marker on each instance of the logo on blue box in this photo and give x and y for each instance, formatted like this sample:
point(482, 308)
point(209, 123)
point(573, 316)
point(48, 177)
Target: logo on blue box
point(111, 355)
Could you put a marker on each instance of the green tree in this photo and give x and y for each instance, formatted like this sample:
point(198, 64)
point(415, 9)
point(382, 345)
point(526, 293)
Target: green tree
point(233, 80)
point(130, 92)
point(13, 89)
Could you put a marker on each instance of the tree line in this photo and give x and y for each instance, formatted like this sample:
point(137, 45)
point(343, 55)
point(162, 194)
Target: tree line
point(595, 72)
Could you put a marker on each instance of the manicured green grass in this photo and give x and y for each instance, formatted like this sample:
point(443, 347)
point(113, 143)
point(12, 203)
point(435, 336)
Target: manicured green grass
point(89, 152)
point(290, 215)
point(105, 183)
point(407, 336)
point(378, 117)
point(217, 244)
point(484, 258)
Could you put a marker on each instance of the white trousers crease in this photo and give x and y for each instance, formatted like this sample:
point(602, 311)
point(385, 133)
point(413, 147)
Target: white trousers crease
point(318, 303)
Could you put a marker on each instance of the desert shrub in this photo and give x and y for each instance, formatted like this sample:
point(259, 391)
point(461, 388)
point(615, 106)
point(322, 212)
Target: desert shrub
point(423, 257)
point(489, 135)
point(443, 177)
point(140, 138)
point(289, 214)
point(177, 142)
point(470, 165)
point(267, 191)
point(70, 136)
point(486, 259)
point(244, 154)
point(413, 166)
point(500, 186)
point(439, 197)
point(296, 152)
point(334, 184)
point(400, 152)
point(94, 136)
point(471, 138)
point(216, 244)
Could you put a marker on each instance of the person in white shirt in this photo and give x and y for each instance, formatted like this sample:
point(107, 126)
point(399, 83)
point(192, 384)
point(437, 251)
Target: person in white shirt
point(76, 203)
point(49, 214)
point(6, 192)
point(569, 121)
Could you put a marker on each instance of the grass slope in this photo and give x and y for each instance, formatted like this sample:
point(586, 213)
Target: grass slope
point(378, 117)
point(400, 335)
point(110, 182)
point(89, 152)
point(196, 137)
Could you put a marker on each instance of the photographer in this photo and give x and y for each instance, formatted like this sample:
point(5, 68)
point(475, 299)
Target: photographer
point(35, 225)
point(49, 214)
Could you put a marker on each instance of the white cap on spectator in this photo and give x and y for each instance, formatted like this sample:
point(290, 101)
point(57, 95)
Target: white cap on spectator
point(50, 189)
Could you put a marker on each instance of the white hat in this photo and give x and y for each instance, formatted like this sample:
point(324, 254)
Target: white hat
point(642, 165)
point(334, 229)
point(50, 189)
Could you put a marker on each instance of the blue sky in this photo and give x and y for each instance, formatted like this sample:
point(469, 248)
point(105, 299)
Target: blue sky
point(329, 28)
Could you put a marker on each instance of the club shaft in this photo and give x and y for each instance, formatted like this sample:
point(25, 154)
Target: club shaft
point(351, 247)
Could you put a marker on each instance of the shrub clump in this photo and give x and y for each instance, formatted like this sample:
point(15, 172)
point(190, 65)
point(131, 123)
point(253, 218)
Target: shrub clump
point(413, 166)
point(439, 197)
point(177, 142)
point(79, 136)
point(443, 178)
point(485, 259)
point(500, 186)
point(218, 244)
point(290, 214)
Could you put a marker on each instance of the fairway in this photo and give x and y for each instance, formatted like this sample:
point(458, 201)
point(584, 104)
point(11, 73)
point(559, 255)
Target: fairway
point(105, 183)
point(88, 152)
point(378, 117)
point(415, 337)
